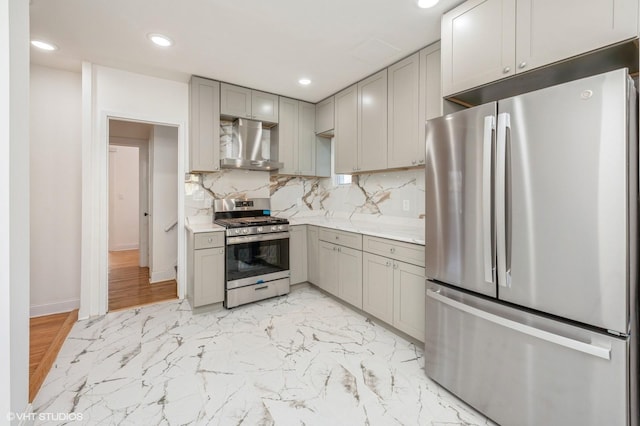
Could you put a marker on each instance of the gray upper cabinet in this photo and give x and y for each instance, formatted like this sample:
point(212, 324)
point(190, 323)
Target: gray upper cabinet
point(204, 125)
point(404, 122)
point(346, 130)
point(301, 152)
point(325, 114)
point(487, 40)
point(236, 101)
point(478, 44)
point(372, 122)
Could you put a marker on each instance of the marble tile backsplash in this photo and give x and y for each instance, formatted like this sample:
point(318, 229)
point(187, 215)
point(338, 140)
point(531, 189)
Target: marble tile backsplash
point(394, 193)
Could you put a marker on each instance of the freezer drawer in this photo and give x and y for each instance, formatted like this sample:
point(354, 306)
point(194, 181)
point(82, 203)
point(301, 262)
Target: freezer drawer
point(521, 369)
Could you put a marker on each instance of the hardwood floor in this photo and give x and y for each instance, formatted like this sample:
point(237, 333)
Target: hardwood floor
point(129, 284)
point(46, 336)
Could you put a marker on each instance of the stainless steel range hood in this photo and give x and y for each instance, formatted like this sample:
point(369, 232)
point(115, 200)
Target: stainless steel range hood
point(246, 148)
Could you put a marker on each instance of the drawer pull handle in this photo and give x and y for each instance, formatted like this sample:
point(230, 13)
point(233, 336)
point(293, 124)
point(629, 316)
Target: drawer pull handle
point(261, 288)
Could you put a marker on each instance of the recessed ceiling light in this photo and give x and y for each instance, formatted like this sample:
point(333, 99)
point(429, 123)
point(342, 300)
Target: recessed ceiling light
point(425, 4)
point(44, 45)
point(160, 40)
point(304, 81)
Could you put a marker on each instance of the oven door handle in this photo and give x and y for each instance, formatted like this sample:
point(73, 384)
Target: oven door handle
point(256, 238)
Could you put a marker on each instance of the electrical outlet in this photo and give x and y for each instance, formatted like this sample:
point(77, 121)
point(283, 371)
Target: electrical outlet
point(405, 205)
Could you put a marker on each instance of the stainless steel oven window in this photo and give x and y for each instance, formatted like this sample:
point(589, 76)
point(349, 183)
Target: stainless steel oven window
point(256, 258)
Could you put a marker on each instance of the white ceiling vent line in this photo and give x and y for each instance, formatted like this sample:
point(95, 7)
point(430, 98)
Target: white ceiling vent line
point(376, 52)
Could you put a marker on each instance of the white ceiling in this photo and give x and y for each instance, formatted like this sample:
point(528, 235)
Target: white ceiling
point(263, 44)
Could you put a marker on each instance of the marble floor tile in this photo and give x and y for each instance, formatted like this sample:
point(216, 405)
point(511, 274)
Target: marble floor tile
point(301, 359)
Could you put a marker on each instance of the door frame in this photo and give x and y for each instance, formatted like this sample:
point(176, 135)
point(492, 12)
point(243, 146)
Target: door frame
point(94, 285)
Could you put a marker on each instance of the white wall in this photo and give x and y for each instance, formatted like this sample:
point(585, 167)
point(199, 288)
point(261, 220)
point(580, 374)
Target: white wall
point(14, 208)
point(164, 203)
point(55, 157)
point(124, 229)
point(108, 92)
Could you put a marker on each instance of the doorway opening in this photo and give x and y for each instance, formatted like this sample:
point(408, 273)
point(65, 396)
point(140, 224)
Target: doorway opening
point(142, 226)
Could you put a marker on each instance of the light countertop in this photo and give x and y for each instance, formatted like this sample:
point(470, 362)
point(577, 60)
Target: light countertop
point(409, 231)
point(399, 229)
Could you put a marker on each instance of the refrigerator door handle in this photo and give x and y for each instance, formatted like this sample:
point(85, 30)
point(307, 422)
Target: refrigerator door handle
point(502, 223)
point(487, 217)
point(587, 348)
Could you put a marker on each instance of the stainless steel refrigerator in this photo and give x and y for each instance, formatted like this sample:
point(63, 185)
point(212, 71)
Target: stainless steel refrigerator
point(531, 263)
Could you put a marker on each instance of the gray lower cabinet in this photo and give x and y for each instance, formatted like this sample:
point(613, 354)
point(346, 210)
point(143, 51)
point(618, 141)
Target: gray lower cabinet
point(313, 270)
point(377, 289)
point(393, 290)
point(298, 253)
point(205, 268)
point(341, 272)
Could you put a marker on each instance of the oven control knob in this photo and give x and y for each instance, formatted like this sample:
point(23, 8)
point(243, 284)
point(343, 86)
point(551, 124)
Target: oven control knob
point(260, 229)
point(280, 227)
point(237, 231)
point(245, 231)
point(274, 228)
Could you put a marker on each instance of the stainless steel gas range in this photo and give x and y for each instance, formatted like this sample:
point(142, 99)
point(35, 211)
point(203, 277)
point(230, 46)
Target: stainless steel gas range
point(257, 250)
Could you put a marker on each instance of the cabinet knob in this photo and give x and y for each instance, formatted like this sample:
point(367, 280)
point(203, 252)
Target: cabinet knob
point(393, 250)
point(339, 250)
point(248, 115)
point(506, 70)
point(334, 249)
point(395, 265)
point(388, 263)
point(337, 237)
point(522, 64)
point(209, 240)
point(421, 161)
point(413, 162)
point(221, 251)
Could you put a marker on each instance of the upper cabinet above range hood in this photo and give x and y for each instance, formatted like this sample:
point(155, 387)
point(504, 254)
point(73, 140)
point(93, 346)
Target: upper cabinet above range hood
point(247, 150)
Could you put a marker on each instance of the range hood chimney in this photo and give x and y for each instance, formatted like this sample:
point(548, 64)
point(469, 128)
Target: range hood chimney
point(246, 148)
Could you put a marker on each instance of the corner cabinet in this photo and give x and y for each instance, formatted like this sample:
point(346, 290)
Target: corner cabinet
point(204, 125)
point(487, 40)
point(299, 149)
point(205, 268)
point(236, 101)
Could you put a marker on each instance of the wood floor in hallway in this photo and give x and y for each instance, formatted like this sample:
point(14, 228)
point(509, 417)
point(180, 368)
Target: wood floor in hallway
point(129, 284)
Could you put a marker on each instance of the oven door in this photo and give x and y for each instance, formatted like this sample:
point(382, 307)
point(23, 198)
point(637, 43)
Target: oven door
point(254, 259)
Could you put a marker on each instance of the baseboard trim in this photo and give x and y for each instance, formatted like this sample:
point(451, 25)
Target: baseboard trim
point(54, 308)
point(160, 276)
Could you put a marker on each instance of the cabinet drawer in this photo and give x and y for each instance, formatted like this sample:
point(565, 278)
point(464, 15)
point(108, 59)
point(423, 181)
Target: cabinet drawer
point(208, 240)
point(347, 239)
point(404, 252)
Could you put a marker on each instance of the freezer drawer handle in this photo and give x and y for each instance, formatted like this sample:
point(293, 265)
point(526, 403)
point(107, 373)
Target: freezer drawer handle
point(600, 352)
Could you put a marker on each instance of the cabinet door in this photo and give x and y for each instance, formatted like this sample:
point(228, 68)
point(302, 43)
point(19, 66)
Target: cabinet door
point(306, 139)
point(372, 122)
point(404, 120)
point(377, 286)
point(264, 106)
point(478, 44)
point(208, 276)
point(328, 264)
point(287, 134)
point(346, 131)
point(409, 299)
point(235, 101)
point(312, 255)
point(298, 253)
point(549, 30)
point(350, 275)
point(204, 117)
point(430, 92)
point(325, 114)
